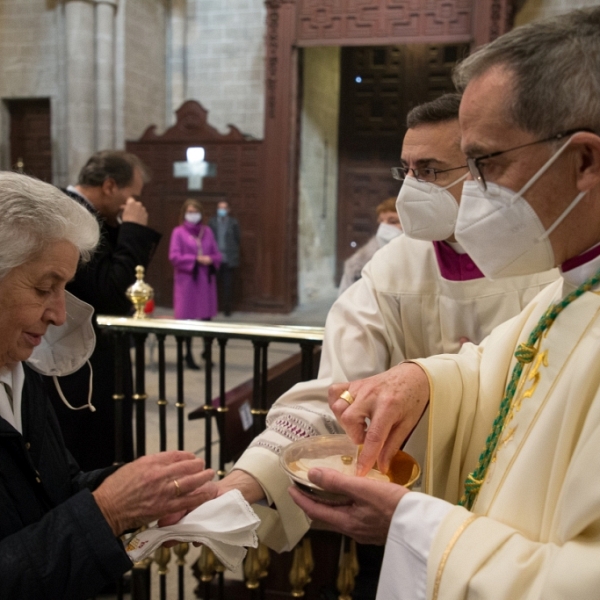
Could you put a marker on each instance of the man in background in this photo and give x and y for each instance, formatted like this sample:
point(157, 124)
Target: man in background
point(108, 186)
point(389, 227)
point(227, 233)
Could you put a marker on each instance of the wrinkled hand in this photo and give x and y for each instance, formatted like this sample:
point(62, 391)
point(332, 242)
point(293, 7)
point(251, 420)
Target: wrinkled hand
point(143, 490)
point(367, 519)
point(394, 402)
point(134, 212)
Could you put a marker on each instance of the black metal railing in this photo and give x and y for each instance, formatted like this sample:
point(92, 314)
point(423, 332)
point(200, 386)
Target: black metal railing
point(133, 333)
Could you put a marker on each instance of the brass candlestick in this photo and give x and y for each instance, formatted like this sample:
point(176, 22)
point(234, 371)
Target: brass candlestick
point(139, 293)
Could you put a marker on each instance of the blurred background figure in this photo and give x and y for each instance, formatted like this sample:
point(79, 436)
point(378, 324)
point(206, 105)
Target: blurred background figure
point(389, 228)
point(195, 256)
point(226, 230)
point(108, 186)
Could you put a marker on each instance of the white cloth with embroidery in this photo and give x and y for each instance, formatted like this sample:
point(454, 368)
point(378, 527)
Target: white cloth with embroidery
point(534, 531)
point(401, 308)
point(227, 525)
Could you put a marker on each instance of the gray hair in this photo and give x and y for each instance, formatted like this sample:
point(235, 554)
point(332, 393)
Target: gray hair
point(33, 215)
point(556, 67)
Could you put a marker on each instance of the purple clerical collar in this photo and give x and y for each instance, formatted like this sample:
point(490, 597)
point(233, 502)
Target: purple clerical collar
point(455, 266)
point(578, 261)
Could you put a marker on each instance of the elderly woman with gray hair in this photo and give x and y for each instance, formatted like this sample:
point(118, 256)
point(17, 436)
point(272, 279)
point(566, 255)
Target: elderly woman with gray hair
point(59, 527)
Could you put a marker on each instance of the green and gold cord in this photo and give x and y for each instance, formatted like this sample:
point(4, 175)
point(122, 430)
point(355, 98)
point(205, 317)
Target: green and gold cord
point(524, 354)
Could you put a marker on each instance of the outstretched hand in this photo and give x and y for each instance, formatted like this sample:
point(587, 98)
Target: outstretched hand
point(393, 401)
point(161, 486)
point(367, 518)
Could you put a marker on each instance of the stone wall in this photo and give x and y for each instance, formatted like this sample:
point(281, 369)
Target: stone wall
point(225, 62)
point(318, 173)
point(144, 54)
point(537, 9)
point(29, 60)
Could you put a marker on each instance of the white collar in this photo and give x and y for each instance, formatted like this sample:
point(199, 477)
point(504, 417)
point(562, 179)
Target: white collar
point(13, 378)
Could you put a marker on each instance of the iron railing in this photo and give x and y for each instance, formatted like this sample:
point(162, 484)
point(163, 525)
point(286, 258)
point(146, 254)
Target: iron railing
point(206, 568)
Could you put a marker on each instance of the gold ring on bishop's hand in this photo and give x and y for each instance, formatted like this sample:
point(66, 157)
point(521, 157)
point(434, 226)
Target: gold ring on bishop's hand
point(177, 488)
point(347, 396)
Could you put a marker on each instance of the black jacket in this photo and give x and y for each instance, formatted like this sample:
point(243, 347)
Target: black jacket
point(231, 250)
point(102, 282)
point(54, 541)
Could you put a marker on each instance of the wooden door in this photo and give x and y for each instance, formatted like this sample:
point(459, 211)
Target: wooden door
point(379, 86)
point(30, 141)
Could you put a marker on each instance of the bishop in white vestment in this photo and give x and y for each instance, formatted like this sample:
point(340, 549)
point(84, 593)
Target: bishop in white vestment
point(512, 509)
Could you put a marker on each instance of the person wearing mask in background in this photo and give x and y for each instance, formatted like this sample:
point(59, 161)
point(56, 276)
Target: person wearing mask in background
point(417, 297)
point(389, 228)
point(60, 526)
point(109, 186)
point(513, 469)
point(226, 230)
point(195, 257)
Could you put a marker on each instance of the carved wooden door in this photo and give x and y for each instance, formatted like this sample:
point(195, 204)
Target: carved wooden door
point(379, 86)
point(30, 147)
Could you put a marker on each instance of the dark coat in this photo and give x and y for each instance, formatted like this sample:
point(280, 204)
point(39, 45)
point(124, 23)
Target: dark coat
point(231, 250)
point(102, 283)
point(54, 541)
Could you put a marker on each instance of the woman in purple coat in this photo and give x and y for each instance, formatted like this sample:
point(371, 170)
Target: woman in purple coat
point(195, 256)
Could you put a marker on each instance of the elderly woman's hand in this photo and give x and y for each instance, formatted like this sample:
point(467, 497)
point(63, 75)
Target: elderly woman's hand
point(154, 487)
point(394, 402)
point(367, 518)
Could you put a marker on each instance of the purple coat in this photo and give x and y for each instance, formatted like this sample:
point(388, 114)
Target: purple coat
point(195, 285)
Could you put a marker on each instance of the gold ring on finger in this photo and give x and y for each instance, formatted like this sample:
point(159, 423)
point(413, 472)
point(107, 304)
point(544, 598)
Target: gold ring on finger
point(177, 488)
point(347, 396)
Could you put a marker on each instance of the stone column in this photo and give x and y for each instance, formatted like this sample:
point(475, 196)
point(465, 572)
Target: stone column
point(80, 84)
point(105, 74)
point(176, 58)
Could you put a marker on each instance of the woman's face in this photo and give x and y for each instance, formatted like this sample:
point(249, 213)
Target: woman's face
point(191, 209)
point(32, 296)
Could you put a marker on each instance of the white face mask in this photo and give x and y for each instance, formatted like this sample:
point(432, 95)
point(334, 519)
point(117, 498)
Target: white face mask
point(386, 233)
point(193, 217)
point(502, 233)
point(66, 348)
point(427, 211)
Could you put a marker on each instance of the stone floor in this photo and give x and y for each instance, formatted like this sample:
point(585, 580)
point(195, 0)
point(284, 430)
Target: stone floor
point(239, 369)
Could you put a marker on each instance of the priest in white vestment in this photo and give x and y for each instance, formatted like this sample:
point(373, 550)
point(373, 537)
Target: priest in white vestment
point(420, 295)
point(513, 458)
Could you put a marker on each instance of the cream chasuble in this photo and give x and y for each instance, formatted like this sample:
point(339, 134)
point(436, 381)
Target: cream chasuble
point(534, 531)
point(401, 308)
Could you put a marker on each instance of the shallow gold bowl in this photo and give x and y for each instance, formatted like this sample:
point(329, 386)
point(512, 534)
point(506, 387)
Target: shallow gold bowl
point(404, 469)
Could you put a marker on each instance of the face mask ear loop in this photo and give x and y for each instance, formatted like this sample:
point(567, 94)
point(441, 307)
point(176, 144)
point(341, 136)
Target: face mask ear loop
point(457, 181)
point(562, 217)
point(543, 169)
point(89, 400)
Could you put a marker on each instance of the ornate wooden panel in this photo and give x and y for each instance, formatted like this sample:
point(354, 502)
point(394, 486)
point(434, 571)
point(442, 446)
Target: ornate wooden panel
point(354, 22)
point(379, 86)
point(30, 141)
point(238, 180)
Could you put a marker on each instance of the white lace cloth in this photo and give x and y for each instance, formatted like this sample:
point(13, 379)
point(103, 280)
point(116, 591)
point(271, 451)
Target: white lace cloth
point(227, 525)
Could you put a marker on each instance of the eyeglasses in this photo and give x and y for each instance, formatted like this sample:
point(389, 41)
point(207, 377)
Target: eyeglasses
point(427, 174)
point(475, 164)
